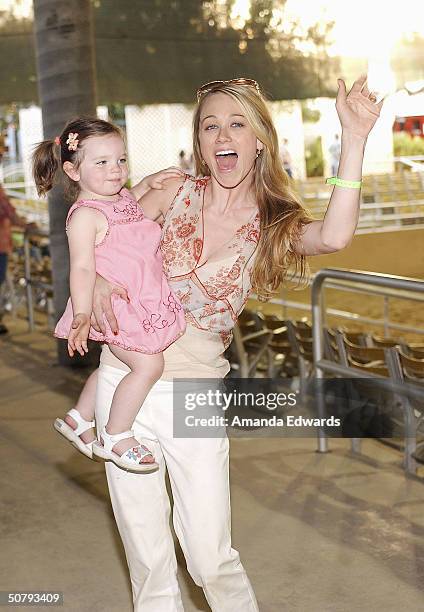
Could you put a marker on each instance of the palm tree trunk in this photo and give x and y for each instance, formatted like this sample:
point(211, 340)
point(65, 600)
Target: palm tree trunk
point(66, 84)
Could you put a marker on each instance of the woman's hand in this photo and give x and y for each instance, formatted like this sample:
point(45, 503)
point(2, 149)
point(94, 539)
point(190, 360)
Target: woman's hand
point(155, 181)
point(102, 305)
point(357, 110)
point(78, 334)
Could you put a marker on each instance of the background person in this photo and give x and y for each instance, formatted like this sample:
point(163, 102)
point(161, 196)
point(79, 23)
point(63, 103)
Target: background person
point(8, 219)
point(286, 158)
point(184, 163)
point(335, 150)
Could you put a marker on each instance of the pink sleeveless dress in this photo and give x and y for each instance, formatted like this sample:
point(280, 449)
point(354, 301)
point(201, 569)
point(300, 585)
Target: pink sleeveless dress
point(129, 256)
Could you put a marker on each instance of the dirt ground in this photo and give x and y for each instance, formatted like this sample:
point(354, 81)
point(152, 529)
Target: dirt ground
point(397, 253)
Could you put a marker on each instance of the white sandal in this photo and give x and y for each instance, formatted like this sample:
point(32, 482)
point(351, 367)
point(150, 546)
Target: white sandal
point(72, 435)
point(130, 460)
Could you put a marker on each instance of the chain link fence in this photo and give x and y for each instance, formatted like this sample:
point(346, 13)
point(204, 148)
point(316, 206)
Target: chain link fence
point(156, 134)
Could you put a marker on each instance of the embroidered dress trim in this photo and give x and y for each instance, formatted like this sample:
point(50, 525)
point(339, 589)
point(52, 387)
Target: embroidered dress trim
point(131, 348)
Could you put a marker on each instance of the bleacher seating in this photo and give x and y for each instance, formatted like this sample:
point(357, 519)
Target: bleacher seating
point(388, 199)
point(277, 347)
point(370, 359)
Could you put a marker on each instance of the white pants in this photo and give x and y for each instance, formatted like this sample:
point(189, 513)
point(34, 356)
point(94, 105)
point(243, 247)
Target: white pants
point(199, 477)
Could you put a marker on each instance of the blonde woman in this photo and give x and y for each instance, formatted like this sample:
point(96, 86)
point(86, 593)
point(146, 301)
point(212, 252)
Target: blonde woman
point(235, 227)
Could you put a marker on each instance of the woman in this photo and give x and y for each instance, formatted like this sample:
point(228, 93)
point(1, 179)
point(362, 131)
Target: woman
point(236, 228)
point(8, 218)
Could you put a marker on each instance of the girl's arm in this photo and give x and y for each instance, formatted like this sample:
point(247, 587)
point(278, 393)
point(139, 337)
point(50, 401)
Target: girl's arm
point(82, 231)
point(358, 115)
point(156, 202)
point(156, 181)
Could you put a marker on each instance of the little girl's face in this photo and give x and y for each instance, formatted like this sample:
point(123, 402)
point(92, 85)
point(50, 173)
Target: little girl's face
point(103, 170)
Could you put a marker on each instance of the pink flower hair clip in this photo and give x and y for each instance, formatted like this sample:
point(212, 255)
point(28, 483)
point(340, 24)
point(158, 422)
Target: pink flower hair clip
point(72, 141)
point(57, 140)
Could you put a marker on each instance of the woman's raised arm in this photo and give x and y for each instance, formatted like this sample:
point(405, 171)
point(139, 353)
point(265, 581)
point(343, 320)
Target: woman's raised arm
point(357, 113)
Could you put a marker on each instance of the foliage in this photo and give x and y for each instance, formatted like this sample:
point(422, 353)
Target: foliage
point(404, 144)
point(17, 60)
point(309, 115)
point(151, 51)
point(314, 158)
point(117, 113)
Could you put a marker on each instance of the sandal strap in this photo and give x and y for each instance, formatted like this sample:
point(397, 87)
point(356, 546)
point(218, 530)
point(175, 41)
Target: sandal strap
point(82, 424)
point(137, 453)
point(109, 440)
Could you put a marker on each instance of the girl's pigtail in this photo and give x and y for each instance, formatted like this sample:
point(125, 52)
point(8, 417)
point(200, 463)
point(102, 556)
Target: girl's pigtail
point(45, 164)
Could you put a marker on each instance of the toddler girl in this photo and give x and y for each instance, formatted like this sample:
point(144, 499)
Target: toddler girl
point(108, 234)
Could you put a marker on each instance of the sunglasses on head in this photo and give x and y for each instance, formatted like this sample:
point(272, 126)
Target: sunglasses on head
point(207, 87)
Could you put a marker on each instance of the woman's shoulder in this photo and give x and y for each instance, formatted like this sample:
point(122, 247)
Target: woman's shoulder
point(197, 182)
point(189, 186)
point(188, 181)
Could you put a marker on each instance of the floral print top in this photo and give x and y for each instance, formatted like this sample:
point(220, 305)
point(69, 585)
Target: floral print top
point(214, 292)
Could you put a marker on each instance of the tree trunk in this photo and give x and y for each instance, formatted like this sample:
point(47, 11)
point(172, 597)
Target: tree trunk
point(66, 83)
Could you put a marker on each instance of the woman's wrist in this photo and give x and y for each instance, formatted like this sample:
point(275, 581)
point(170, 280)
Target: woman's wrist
point(352, 139)
point(351, 156)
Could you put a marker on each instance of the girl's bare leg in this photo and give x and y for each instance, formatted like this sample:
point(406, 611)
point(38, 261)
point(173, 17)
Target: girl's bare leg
point(131, 392)
point(85, 406)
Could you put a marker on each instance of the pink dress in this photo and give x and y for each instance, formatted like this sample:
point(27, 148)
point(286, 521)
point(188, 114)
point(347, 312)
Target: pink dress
point(129, 256)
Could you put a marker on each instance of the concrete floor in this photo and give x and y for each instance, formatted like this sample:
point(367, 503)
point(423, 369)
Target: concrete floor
point(317, 533)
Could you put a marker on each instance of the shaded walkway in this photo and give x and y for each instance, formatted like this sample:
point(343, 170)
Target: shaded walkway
point(317, 533)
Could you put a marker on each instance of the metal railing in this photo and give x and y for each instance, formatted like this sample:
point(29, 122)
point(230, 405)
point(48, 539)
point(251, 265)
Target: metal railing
point(338, 284)
point(322, 365)
point(413, 162)
point(29, 283)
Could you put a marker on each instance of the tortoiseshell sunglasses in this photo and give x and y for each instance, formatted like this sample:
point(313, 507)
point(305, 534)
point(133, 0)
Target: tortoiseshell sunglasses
point(207, 87)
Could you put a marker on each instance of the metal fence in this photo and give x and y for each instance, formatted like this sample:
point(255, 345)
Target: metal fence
point(388, 326)
point(28, 286)
point(323, 366)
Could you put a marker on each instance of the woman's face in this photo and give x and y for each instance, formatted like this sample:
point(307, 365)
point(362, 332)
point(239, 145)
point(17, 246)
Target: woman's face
point(227, 141)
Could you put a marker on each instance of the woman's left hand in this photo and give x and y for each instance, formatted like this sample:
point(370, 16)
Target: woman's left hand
point(357, 110)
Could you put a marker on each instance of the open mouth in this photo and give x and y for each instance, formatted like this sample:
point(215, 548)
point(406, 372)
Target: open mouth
point(226, 160)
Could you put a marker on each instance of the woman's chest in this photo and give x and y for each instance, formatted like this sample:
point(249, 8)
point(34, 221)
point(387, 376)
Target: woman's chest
point(223, 234)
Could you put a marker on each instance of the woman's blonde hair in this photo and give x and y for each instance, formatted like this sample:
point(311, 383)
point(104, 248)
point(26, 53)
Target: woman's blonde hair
point(281, 212)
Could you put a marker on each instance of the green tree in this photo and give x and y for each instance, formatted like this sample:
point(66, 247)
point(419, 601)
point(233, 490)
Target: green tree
point(150, 51)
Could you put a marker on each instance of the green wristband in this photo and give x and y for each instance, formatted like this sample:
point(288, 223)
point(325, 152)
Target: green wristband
point(334, 180)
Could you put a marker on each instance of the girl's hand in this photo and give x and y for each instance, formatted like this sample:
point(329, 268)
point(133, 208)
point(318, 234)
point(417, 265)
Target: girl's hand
point(78, 334)
point(102, 304)
point(357, 110)
point(155, 181)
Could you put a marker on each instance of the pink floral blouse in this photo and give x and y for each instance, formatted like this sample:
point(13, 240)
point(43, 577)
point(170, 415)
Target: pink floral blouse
point(215, 292)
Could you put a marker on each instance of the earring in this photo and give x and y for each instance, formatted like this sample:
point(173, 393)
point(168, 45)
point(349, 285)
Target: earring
point(258, 152)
